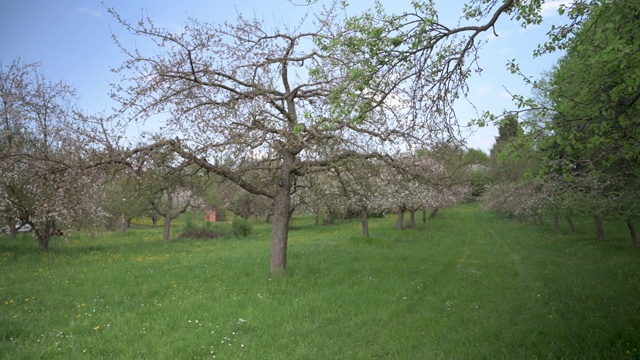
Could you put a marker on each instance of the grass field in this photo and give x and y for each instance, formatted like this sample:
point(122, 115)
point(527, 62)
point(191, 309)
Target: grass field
point(467, 285)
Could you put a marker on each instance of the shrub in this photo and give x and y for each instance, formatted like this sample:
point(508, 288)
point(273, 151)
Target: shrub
point(201, 231)
point(241, 227)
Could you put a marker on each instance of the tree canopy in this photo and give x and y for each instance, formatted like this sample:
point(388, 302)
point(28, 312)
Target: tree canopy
point(270, 98)
point(585, 119)
point(42, 182)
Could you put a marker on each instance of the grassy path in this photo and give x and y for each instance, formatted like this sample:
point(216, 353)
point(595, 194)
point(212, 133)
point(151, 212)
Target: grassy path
point(560, 296)
point(468, 285)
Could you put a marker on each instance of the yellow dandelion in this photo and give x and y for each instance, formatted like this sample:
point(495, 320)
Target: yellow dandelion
point(97, 328)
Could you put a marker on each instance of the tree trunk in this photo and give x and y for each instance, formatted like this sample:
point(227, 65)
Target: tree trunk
point(43, 242)
point(412, 219)
point(167, 227)
point(281, 215)
point(167, 217)
point(571, 225)
point(632, 230)
point(599, 228)
point(365, 223)
point(123, 223)
point(400, 219)
point(434, 213)
point(556, 223)
point(328, 218)
point(424, 216)
point(44, 231)
point(111, 224)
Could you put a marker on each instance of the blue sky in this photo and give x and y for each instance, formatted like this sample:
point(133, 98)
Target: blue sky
point(72, 41)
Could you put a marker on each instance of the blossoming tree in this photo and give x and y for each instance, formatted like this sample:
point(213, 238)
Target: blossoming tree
point(245, 91)
point(43, 177)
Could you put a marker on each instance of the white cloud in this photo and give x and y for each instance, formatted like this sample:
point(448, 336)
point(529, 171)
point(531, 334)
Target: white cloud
point(484, 90)
point(506, 95)
point(90, 12)
point(550, 8)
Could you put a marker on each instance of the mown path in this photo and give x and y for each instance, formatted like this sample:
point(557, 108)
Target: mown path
point(539, 293)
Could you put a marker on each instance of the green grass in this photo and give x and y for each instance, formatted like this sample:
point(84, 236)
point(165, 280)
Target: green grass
point(468, 285)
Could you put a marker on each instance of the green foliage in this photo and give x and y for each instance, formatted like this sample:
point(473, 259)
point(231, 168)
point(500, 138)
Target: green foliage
point(560, 36)
point(514, 154)
point(476, 156)
point(378, 48)
point(471, 286)
point(241, 227)
point(479, 180)
point(508, 131)
point(202, 230)
point(595, 91)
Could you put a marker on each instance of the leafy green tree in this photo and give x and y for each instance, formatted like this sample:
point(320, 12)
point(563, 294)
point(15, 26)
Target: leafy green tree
point(595, 91)
point(514, 153)
point(475, 157)
point(596, 88)
point(508, 133)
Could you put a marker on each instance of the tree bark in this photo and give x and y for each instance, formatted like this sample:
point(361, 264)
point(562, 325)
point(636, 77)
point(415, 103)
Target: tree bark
point(328, 218)
point(556, 223)
point(123, 223)
point(424, 216)
point(365, 223)
point(412, 219)
point(43, 242)
point(167, 217)
point(281, 215)
point(110, 224)
point(434, 213)
point(632, 230)
point(44, 231)
point(400, 219)
point(599, 227)
point(571, 225)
